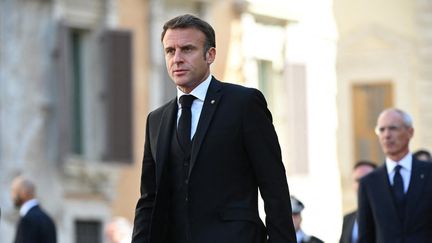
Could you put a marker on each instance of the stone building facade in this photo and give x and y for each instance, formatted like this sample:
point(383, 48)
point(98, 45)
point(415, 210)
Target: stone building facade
point(77, 79)
point(383, 60)
point(65, 80)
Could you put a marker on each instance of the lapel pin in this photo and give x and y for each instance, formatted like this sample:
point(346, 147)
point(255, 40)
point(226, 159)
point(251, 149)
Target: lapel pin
point(422, 176)
point(212, 102)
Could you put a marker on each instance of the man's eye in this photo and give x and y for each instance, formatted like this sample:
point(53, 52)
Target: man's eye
point(393, 128)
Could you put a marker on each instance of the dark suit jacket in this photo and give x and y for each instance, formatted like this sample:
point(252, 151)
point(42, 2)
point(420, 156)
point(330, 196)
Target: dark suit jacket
point(378, 218)
point(36, 227)
point(347, 227)
point(235, 150)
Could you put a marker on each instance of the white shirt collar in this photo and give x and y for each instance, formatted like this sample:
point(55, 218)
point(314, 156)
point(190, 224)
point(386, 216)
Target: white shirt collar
point(27, 206)
point(199, 92)
point(405, 162)
point(300, 235)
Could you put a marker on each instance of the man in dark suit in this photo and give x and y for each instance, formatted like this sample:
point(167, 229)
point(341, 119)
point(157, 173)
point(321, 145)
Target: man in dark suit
point(206, 154)
point(395, 200)
point(350, 225)
point(423, 155)
point(34, 226)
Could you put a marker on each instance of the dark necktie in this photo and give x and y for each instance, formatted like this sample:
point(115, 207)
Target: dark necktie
point(185, 122)
point(398, 186)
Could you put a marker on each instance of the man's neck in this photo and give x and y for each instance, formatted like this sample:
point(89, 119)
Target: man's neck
point(398, 157)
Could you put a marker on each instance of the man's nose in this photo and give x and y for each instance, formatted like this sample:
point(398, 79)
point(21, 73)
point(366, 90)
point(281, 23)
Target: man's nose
point(178, 57)
point(386, 133)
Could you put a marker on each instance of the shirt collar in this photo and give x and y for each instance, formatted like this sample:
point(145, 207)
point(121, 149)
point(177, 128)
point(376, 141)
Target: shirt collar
point(199, 92)
point(27, 206)
point(300, 235)
point(405, 162)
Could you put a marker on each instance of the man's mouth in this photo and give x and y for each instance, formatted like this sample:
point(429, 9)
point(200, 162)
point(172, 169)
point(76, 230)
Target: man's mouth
point(180, 71)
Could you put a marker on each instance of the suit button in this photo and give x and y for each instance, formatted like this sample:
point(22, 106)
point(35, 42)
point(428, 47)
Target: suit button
point(187, 198)
point(186, 181)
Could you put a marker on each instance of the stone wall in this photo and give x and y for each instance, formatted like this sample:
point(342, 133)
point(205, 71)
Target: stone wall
point(28, 116)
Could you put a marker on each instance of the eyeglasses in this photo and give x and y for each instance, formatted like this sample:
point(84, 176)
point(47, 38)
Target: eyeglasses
point(391, 128)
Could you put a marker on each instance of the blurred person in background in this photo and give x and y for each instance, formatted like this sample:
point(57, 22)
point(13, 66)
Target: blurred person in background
point(34, 226)
point(350, 224)
point(423, 155)
point(297, 207)
point(119, 230)
point(395, 200)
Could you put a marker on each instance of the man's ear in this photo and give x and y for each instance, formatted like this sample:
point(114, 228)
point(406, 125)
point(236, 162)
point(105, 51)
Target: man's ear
point(211, 55)
point(411, 131)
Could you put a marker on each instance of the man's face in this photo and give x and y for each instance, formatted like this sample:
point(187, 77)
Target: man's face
point(186, 63)
point(359, 172)
point(393, 134)
point(297, 219)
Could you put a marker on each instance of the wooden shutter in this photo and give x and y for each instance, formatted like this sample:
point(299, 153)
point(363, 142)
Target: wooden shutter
point(117, 61)
point(62, 90)
point(368, 101)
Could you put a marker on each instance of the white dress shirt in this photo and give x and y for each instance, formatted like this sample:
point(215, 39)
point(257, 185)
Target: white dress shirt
point(405, 171)
point(27, 206)
point(200, 93)
point(354, 236)
point(300, 235)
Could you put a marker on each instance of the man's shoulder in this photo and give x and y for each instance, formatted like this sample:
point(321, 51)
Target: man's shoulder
point(36, 211)
point(236, 88)
point(350, 215)
point(163, 108)
point(36, 215)
point(423, 167)
point(239, 94)
point(422, 164)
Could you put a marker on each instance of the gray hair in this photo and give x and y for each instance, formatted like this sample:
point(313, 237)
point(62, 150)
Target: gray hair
point(407, 120)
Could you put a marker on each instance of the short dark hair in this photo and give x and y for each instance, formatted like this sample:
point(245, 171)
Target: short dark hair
point(191, 21)
point(364, 163)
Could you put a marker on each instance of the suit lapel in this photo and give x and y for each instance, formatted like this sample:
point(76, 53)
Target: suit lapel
point(165, 134)
point(385, 194)
point(415, 189)
point(211, 102)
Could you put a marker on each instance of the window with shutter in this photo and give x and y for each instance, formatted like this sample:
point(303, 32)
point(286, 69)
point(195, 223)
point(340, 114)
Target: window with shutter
point(62, 93)
point(88, 231)
point(117, 60)
point(368, 101)
point(94, 94)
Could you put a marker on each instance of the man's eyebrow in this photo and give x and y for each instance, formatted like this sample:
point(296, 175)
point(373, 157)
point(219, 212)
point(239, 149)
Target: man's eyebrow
point(188, 46)
point(168, 48)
